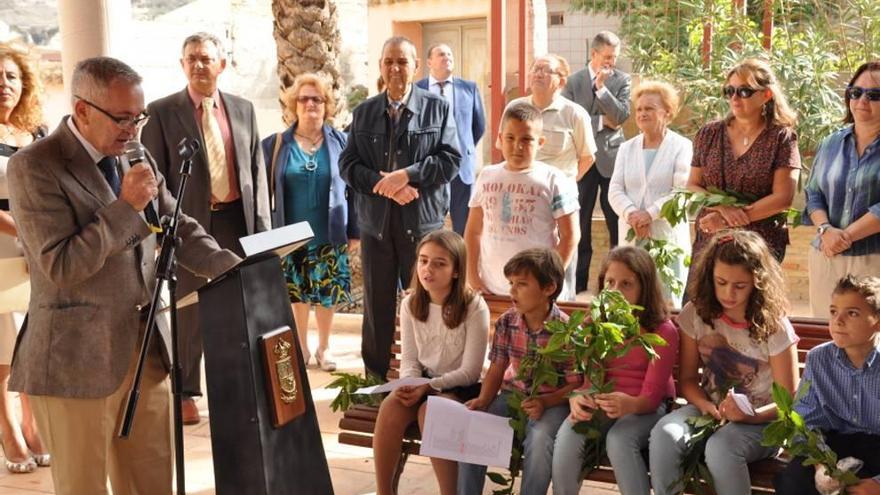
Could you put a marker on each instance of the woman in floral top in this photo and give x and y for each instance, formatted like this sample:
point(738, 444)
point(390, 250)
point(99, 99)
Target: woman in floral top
point(752, 153)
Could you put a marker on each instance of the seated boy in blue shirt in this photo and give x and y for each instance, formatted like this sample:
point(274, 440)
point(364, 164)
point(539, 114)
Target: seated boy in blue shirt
point(843, 400)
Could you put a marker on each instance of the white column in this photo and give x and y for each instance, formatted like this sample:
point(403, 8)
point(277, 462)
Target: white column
point(91, 28)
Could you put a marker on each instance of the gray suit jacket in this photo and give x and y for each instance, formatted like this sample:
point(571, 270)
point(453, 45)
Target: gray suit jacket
point(172, 119)
point(91, 259)
point(615, 103)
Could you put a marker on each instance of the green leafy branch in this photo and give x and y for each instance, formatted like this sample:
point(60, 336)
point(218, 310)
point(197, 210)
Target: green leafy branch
point(693, 462)
point(585, 341)
point(348, 383)
point(666, 255)
point(685, 203)
point(538, 369)
point(790, 432)
point(610, 332)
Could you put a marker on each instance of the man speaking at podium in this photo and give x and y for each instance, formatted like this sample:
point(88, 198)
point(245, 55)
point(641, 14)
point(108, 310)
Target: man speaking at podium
point(92, 258)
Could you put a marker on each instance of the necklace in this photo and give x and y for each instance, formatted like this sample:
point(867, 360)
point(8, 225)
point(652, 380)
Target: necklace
point(314, 141)
point(6, 134)
point(13, 136)
point(746, 139)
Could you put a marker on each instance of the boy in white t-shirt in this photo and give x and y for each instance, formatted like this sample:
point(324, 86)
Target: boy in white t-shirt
point(519, 204)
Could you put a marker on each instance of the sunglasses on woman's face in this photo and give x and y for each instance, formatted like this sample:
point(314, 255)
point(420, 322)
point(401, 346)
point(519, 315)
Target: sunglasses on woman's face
point(855, 92)
point(305, 99)
point(741, 91)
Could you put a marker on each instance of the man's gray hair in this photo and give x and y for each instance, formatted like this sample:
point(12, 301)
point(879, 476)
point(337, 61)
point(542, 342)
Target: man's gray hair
point(93, 76)
point(603, 39)
point(400, 41)
point(203, 37)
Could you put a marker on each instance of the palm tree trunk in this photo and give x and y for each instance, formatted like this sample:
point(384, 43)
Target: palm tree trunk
point(307, 38)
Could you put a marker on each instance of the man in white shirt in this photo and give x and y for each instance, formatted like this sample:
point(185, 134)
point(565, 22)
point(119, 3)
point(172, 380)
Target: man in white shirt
point(569, 144)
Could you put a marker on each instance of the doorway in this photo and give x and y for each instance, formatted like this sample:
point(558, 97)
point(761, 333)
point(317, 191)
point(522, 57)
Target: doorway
point(469, 43)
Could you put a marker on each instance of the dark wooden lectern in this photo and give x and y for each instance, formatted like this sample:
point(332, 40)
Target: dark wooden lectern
point(251, 456)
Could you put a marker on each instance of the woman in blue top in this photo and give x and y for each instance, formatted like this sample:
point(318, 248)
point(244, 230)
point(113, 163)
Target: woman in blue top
point(843, 194)
point(304, 185)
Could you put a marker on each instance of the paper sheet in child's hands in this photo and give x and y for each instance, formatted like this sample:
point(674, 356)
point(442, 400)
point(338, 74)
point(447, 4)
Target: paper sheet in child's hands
point(393, 384)
point(454, 432)
point(743, 403)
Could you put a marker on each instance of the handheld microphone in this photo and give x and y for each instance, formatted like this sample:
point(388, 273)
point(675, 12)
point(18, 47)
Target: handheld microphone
point(136, 153)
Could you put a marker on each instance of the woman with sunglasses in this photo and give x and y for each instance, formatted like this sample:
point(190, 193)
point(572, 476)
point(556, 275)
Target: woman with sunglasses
point(20, 124)
point(304, 185)
point(843, 197)
point(752, 153)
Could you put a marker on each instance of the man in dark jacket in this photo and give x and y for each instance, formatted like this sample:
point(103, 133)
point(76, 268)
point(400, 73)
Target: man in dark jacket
point(401, 154)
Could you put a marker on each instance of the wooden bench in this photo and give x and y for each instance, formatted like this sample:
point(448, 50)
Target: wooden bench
point(357, 423)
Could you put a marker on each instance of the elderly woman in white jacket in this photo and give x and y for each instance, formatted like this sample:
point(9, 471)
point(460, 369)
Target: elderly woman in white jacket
point(648, 167)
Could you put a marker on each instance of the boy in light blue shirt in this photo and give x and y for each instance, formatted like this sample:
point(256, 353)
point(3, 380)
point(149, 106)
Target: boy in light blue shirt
point(843, 400)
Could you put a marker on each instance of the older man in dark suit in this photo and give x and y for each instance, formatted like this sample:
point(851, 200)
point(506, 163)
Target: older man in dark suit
point(92, 258)
point(400, 158)
point(604, 91)
point(227, 192)
point(469, 120)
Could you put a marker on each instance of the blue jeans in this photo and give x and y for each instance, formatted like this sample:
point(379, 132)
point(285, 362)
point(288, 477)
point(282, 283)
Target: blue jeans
point(625, 439)
point(728, 452)
point(537, 452)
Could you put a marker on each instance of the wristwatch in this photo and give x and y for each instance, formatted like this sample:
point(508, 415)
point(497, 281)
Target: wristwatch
point(822, 228)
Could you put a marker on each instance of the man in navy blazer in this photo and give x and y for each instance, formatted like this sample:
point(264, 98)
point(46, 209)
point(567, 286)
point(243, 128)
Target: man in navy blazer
point(469, 120)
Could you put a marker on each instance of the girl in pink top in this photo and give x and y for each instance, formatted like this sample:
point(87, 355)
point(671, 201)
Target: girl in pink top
point(640, 385)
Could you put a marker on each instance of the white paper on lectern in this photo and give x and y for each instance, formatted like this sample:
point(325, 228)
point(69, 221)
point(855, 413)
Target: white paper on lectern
point(412, 381)
point(282, 240)
point(15, 285)
point(454, 432)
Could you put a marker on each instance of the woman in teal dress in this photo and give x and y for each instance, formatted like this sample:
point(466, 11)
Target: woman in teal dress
point(304, 185)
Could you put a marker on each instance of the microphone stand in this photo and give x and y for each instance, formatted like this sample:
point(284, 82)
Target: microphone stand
point(166, 273)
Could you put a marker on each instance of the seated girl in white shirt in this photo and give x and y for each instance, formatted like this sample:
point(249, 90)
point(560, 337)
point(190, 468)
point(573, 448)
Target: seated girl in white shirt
point(444, 329)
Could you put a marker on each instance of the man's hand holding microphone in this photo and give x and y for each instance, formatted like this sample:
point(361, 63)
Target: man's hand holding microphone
point(139, 185)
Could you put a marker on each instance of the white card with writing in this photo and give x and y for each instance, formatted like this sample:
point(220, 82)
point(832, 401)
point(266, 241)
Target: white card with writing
point(454, 432)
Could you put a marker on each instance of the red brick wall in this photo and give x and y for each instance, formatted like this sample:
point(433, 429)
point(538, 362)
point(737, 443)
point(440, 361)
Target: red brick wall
point(795, 265)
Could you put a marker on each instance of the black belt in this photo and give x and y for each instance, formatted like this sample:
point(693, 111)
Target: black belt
point(4, 204)
point(225, 206)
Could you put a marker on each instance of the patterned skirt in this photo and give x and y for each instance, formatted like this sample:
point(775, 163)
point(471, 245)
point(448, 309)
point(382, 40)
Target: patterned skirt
point(318, 275)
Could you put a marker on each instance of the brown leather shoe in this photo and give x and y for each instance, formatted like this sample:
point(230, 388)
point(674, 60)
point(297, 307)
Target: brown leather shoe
point(190, 412)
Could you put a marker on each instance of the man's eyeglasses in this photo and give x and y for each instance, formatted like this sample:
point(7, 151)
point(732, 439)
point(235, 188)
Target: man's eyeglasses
point(543, 70)
point(135, 122)
point(741, 91)
point(855, 92)
point(318, 100)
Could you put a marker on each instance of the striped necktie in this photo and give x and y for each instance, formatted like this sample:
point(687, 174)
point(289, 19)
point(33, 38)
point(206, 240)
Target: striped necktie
point(216, 151)
point(394, 112)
